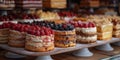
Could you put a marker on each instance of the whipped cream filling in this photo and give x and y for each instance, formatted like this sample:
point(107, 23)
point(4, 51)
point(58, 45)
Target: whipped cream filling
point(39, 44)
point(93, 38)
point(16, 36)
point(40, 38)
point(87, 30)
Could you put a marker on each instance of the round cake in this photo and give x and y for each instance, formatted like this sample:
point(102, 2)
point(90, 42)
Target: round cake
point(17, 35)
point(65, 35)
point(39, 39)
point(4, 32)
point(86, 32)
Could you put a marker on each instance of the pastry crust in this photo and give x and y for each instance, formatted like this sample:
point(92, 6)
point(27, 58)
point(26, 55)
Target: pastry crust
point(4, 32)
point(61, 45)
point(39, 49)
point(85, 41)
point(71, 37)
point(72, 32)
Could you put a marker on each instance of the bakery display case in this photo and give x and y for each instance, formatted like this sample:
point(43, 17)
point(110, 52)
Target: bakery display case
point(41, 28)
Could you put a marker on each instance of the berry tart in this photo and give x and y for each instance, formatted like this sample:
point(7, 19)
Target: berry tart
point(65, 35)
point(17, 35)
point(39, 39)
point(86, 32)
point(4, 32)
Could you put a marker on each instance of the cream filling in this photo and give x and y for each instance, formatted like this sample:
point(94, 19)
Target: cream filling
point(93, 38)
point(40, 38)
point(87, 30)
point(17, 41)
point(39, 44)
point(16, 36)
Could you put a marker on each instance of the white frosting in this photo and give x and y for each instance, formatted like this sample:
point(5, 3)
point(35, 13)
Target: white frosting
point(93, 38)
point(87, 30)
point(35, 44)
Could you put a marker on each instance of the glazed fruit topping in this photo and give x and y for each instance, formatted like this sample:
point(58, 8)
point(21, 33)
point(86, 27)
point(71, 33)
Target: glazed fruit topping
point(82, 24)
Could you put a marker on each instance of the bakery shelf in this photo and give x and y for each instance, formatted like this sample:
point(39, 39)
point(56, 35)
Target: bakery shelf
point(56, 50)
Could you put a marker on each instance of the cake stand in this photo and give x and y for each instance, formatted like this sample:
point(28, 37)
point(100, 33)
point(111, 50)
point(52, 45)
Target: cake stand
point(105, 47)
point(47, 57)
point(83, 53)
point(82, 50)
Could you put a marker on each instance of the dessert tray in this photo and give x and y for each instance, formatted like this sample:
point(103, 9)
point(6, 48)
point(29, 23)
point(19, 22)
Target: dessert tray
point(101, 45)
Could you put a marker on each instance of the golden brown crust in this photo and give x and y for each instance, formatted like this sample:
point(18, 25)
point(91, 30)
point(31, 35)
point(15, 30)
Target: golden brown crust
point(4, 32)
point(116, 36)
point(16, 45)
point(104, 28)
point(85, 41)
point(71, 37)
point(39, 49)
point(64, 32)
point(64, 45)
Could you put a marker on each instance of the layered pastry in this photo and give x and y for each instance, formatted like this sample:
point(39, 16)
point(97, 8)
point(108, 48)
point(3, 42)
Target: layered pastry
point(39, 39)
point(104, 26)
point(116, 26)
point(65, 35)
point(7, 4)
point(17, 35)
point(28, 4)
point(86, 32)
point(47, 15)
point(4, 32)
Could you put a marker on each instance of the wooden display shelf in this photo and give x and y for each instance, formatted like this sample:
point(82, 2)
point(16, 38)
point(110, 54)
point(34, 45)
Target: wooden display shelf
point(56, 50)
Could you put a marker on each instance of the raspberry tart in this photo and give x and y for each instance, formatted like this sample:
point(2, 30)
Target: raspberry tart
point(17, 35)
point(86, 32)
point(39, 39)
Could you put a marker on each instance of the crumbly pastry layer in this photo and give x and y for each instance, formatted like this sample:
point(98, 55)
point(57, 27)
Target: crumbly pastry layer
point(65, 39)
point(86, 31)
point(86, 39)
point(16, 38)
point(116, 27)
point(4, 32)
point(64, 32)
point(16, 43)
point(116, 33)
point(39, 43)
point(39, 49)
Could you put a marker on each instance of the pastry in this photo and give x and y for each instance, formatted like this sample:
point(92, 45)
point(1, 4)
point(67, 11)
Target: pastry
point(39, 39)
point(86, 31)
point(17, 35)
point(65, 35)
